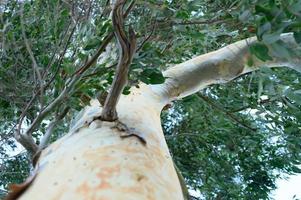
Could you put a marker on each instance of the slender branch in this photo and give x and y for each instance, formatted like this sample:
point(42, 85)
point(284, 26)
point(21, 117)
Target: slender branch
point(52, 59)
point(46, 138)
point(28, 106)
point(105, 9)
point(27, 142)
point(127, 48)
point(48, 109)
point(99, 72)
point(34, 62)
point(227, 113)
point(200, 22)
point(62, 56)
point(147, 38)
point(23, 114)
point(91, 61)
point(25, 139)
point(249, 106)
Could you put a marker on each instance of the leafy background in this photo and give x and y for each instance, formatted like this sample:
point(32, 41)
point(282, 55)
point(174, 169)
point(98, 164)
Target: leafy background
point(230, 141)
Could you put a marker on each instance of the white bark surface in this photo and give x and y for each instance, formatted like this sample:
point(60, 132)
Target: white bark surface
point(95, 162)
point(221, 66)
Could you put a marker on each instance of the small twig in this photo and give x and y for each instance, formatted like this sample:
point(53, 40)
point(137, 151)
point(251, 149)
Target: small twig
point(105, 9)
point(31, 55)
point(22, 116)
point(89, 9)
point(61, 56)
point(147, 38)
point(99, 72)
point(52, 59)
point(229, 114)
point(199, 22)
point(127, 48)
point(249, 106)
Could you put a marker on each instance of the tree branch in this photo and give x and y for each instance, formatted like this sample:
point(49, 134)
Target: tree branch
point(46, 138)
point(227, 113)
point(26, 139)
point(249, 106)
point(31, 55)
point(221, 66)
point(127, 48)
point(68, 88)
point(199, 22)
point(103, 45)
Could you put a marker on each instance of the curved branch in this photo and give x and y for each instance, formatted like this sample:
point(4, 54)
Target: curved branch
point(127, 48)
point(221, 66)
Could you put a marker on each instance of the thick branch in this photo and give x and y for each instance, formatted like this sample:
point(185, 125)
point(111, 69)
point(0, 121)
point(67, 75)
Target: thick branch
point(221, 66)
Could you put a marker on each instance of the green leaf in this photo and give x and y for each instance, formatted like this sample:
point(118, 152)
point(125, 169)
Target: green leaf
point(260, 51)
point(64, 13)
point(297, 36)
point(245, 16)
point(182, 14)
point(280, 50)
point(152, 76)
point(265, 28)
point(94, 42)
point(126, 90)
point(293, 95)
point(269, 38)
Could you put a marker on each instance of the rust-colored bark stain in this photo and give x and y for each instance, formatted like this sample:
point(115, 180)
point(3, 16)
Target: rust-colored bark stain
point(84, 189)
point(108, 172)
point(105, 175)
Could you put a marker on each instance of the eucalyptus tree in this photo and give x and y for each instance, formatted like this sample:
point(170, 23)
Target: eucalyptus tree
point(58, 57)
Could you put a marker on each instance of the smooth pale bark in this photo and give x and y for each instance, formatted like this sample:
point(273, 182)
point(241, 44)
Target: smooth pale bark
point(222, 66)
point(95, 162)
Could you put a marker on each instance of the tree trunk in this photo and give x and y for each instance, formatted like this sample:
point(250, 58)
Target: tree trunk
point(106, 160)
point(129, 158)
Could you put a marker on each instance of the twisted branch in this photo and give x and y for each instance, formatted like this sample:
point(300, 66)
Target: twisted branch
point(127, 48)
